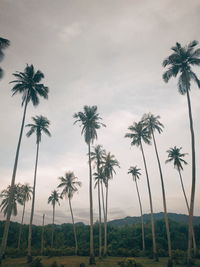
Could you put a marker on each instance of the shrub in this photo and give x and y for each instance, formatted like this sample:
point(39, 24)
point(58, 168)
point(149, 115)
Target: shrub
point(36, 263)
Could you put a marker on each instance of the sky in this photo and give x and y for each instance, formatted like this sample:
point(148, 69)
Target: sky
point(104, 53)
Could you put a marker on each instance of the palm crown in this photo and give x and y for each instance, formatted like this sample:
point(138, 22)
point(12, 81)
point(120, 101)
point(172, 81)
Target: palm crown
point(139, 132)
point(4, 43)
point(28, 84)
point(180, 62)
point(109, 164)
point(97, 154)
point(175, 156)
point(152, 122)
point(26, 191)
point(89, 119)
point(135, 172)
point(41, 124)
point(54, 198)
point(69, 183)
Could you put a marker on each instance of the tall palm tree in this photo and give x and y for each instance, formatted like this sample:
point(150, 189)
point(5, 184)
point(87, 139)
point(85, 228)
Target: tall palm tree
point(40, 125)
point(90, 121)
point(27, 83)
point(175, 156)
point(5, 196)
point(153, 124)
point(70, 185)
point(4, 43)
point(135, 172)
point(140, 133)
point(180, 63)
point(97, 157)
point(109, 165)
point(26, 192)
point(53, 199)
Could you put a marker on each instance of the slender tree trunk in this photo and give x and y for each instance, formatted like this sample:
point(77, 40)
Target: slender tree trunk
point(29, 257)
point(100, 234)
point(92, 258)
point(170, 263)
point(74, 228)
point(42, 237)
point(52, 234)
point(7, 224)
point(20, 230)
point(193, 181)
point(151, 207)
point(104, 213)
point(142, 221)
point(188, 208)
point(105, 224)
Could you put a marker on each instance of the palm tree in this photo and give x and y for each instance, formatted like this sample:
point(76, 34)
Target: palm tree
point(69, 184)
point(40, 125)
point(153, 124)
point(140, 133)
point(180, 62)
point(175, 156)
point(5, 196)
point(26, 191)
point(28, 84)
point(135, 172)
point(4, 43)
point(90, 121)
point(109, 164)
point(53, 199)
point(97, 156)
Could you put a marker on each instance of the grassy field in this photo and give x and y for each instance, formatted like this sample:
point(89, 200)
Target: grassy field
point(75, 262)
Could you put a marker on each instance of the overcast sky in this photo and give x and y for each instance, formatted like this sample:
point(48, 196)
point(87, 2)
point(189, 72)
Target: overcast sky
point(104, 53)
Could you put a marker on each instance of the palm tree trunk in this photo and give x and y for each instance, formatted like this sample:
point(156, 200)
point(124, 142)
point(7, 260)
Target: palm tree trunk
point(74, 228)
point(42, 237)
point(151, 207)
point(7, 224)
point(193, 180)
point(52, 234)
point(20, 230)
point(29, 257)
point(105, 224)
point(186, 201)
point(164, 203)
point(100, 234)
point(92, 258)
point(104, 213)
point(142, 221)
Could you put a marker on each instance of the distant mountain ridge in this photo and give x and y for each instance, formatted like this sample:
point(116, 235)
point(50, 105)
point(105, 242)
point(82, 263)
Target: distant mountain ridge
point(180, 218)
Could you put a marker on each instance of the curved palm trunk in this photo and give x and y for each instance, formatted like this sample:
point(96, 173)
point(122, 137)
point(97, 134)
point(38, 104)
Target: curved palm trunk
point(52, 234)
point(92, 258)
point(186, 201)
point(20, 230)
point(42, 237)
point(193, 181)
point(29, 257)
point(142, 221)
point(164, 204)
point(7, 224)
point(105, 224)
point(151, 207)
point(74, 228)
point(100, 234)
point(104, 213)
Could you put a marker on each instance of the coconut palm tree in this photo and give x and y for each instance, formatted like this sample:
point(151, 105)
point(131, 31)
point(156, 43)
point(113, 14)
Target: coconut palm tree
point(139, 134)
point(109, 164)
point(97, 157)
point(135, 172)
point(40, 125)
point(26, 192)
point(90, 121)
point(176, 157)
point(4, 43)
point(27, 83)
point(5, 196)
point(180, 63)
point(153, 124)
point(53, 199)
point(70, 185)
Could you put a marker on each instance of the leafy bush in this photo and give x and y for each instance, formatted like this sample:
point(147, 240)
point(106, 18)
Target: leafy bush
point(36, 263)
point(129, 262)
point(54, 264)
